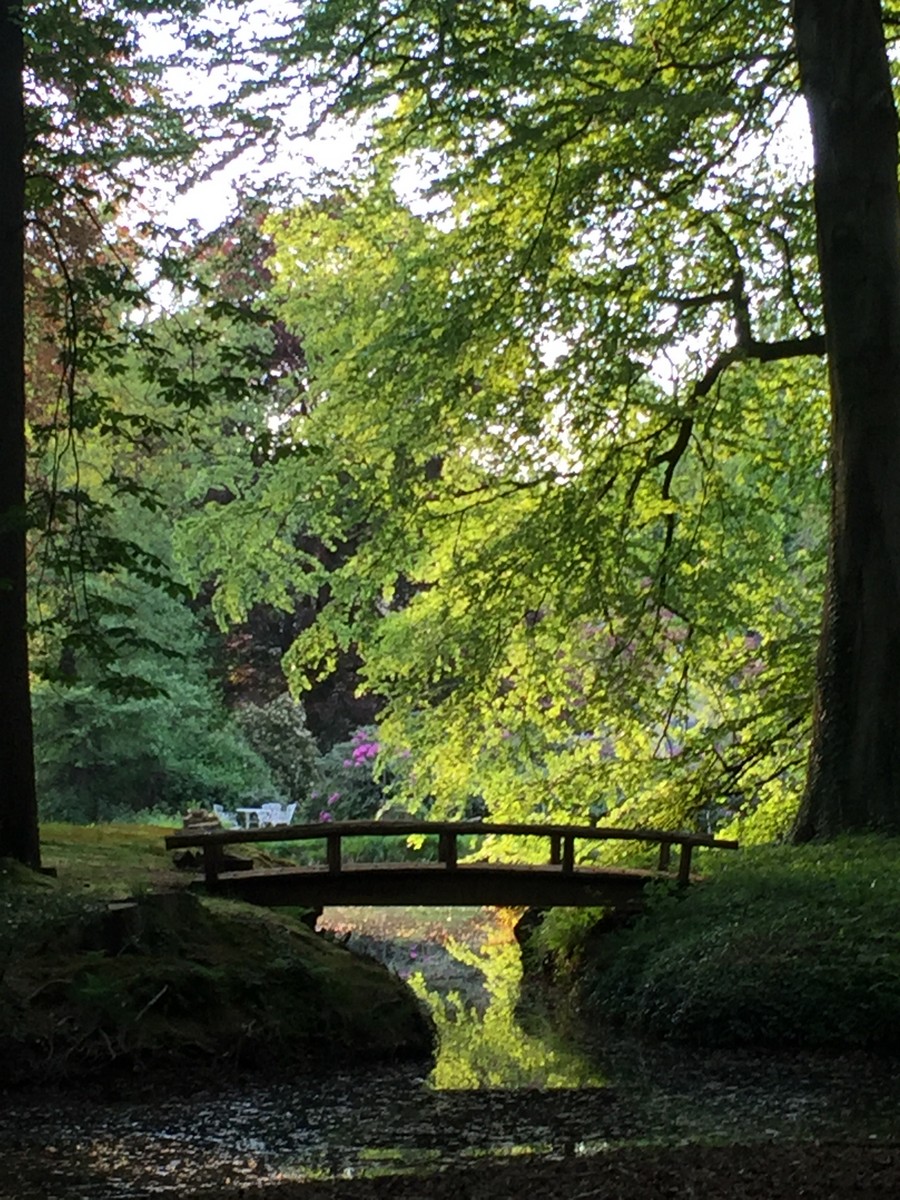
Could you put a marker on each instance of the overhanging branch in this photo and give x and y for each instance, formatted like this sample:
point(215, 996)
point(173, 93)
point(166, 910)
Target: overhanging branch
point(749, 349)
point(746, 348)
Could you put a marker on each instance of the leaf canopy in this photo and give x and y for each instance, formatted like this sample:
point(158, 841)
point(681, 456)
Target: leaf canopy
point(567, 431)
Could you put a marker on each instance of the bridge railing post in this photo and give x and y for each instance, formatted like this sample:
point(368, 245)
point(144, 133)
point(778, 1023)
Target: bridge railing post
point(447, 849)
point(568, 853)
point(684, 864)
point(333, 852)
point(212, 863)
point(665, 855)
point(555, 849)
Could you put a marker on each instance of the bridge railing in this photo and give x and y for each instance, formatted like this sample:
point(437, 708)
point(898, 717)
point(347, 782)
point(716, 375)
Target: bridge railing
point(562, 839)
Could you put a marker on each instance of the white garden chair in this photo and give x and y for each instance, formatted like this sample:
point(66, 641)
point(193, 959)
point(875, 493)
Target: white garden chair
point(272, 814)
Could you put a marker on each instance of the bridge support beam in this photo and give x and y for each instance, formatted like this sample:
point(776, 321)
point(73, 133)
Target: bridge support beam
point(537, 887)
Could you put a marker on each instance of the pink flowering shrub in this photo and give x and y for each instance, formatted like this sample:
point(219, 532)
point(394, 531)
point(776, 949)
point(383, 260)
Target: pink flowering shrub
point(347, 780)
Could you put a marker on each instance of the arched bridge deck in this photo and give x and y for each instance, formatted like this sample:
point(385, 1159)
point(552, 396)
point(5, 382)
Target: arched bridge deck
point(562, 880)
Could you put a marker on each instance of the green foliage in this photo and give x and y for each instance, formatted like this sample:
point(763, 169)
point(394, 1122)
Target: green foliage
point(128, 713)
point(561, 933)
point(552, 457)
point(363, 850)
point(533, 663)
point(123, 403)
point(163, 415)
point(102, 755)
point(101, 759)
point(277, 732)
point(784, 947)
point(769, 822)
point(566, 430)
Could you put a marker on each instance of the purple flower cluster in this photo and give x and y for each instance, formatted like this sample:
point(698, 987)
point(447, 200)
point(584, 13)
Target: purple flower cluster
point(326, 814)
point(364, 751)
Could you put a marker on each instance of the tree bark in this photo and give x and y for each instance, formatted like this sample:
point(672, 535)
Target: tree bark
point(854, 769)
point(18, 806)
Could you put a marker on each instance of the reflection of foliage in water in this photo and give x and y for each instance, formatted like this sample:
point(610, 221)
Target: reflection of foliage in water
point(479, 1049)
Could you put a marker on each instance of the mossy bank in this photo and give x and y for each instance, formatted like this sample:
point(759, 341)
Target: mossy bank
point(782, 947)
point(117, 971)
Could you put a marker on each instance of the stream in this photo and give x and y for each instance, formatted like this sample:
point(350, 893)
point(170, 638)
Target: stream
point(495, 1090)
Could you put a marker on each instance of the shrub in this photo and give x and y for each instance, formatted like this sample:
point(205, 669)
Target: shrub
point(785, 946)
point(352, 785)
point(103, 758)
point(277, 732)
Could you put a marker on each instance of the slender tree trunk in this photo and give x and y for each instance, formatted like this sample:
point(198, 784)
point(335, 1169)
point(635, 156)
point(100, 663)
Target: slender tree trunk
point(18, 806)
point(854, 769)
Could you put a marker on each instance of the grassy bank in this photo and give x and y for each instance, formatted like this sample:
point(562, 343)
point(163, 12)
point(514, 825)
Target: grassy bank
point(114, 968)
point(783, 947)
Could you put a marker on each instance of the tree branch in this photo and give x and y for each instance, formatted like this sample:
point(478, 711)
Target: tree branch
point(799, 347)
point(745, 348)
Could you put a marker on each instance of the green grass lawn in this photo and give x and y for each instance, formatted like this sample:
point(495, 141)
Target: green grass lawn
point(112, 859)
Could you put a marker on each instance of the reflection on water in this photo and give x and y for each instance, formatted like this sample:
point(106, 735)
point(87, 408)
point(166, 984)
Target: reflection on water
point(495, 1090)
point(486, 1047)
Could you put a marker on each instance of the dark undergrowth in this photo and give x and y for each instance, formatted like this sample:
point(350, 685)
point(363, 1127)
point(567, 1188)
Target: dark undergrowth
point(782, 947)
point(114, 970)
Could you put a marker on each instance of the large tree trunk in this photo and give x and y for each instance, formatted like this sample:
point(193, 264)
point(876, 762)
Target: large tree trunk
point(854, 770)
point(18, 807)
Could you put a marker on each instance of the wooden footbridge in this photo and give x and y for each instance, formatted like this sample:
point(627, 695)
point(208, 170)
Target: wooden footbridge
point(562, 880)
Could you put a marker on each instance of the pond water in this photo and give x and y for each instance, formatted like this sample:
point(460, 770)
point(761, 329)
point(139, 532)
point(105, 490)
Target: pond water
point(495, 1090)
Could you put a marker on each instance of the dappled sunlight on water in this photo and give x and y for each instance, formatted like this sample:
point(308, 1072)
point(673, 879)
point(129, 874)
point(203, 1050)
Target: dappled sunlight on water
point(345, 1125)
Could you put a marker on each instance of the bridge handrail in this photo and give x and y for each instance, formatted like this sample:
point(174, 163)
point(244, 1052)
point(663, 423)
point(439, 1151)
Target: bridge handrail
point(562, 839)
